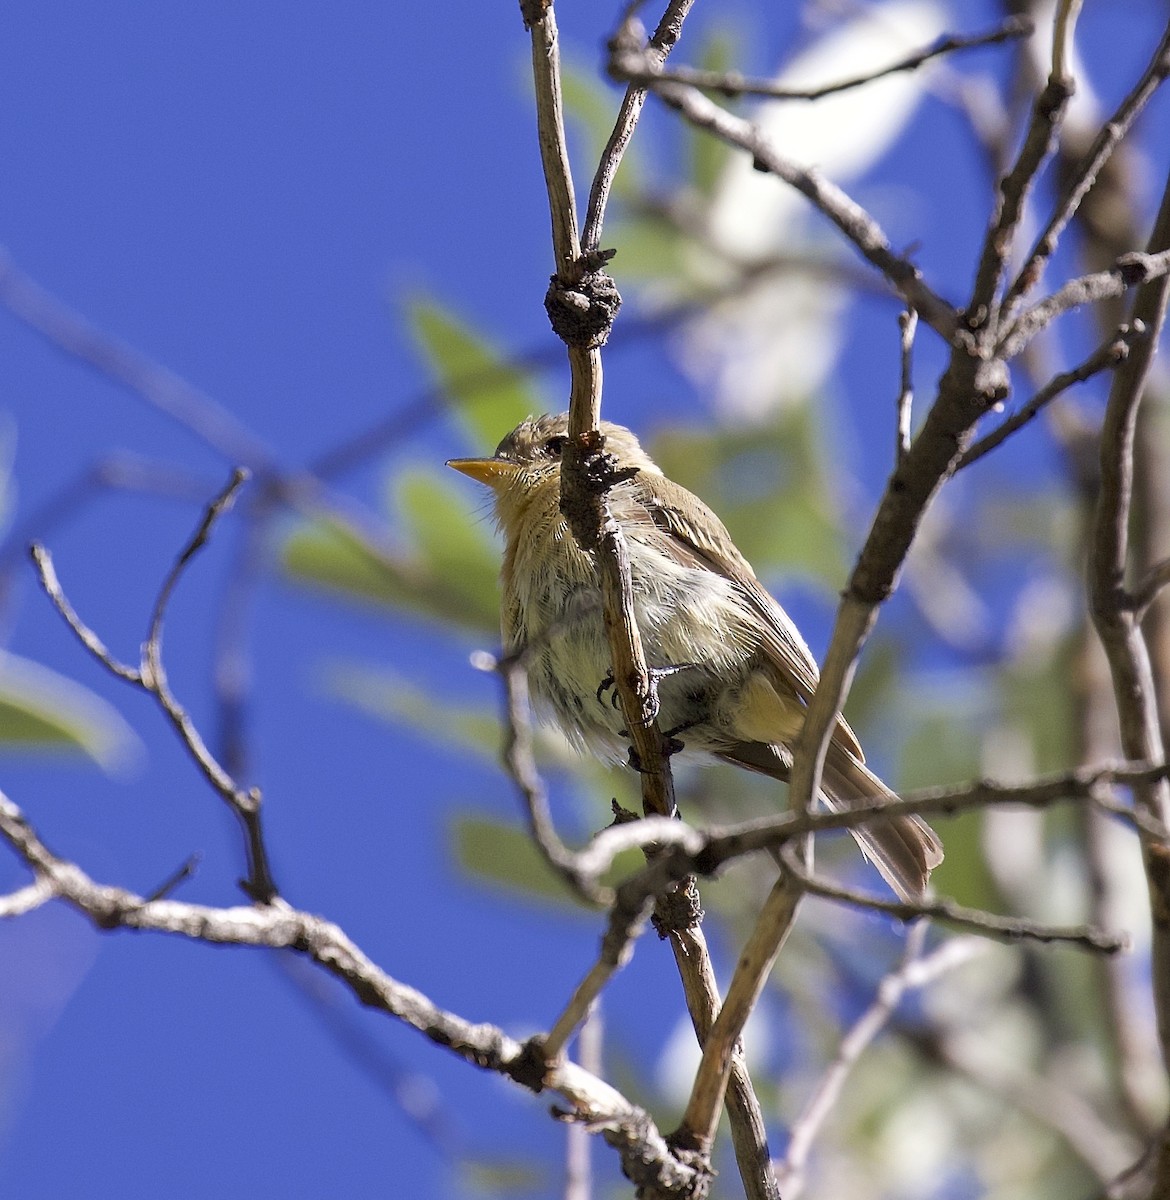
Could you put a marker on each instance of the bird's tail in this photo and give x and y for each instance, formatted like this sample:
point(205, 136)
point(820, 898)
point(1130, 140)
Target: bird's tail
point(903, 848)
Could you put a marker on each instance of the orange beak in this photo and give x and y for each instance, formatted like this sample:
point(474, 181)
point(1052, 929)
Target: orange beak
point(492, 471)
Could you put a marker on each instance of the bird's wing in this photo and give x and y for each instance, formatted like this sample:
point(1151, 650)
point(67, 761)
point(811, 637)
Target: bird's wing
point(792, 664)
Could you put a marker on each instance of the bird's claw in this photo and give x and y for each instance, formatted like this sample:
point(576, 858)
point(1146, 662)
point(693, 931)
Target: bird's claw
point(655, 673)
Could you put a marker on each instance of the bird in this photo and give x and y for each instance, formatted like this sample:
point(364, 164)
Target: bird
point(733, 675)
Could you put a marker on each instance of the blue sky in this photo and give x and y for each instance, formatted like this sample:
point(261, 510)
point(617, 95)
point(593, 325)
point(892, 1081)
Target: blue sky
point(248, 195)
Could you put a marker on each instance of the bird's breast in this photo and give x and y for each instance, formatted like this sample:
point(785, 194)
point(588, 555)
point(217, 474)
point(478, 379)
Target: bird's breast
point(695, 625)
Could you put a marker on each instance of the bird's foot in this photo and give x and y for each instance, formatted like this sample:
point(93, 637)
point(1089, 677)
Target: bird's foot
point(609, 684)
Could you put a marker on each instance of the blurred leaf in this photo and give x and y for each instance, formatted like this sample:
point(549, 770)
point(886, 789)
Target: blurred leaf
point(503, 855)
point(593, 107)
point(1032, 520)
point(490, 396)
point(390, 697)
point(708, 154)
point(876, 682)
point(767, 485)
point(1037, 700)
point(41, 710)
point(650, 247)
point(452, 576)
point(455, 547)
point(944, 747)
point(503, 1177)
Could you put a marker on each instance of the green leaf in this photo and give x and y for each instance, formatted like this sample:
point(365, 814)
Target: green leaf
point(708, 154)
point(450, 573)
point(490, 396)
point(503, 1177)
point(592, 107)
point(768, 485)
point(455, 548)
point(388, 696)
point(46, 712)
point(503, 856)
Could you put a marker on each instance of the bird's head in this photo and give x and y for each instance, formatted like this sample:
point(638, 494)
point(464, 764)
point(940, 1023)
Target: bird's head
point(528, 461)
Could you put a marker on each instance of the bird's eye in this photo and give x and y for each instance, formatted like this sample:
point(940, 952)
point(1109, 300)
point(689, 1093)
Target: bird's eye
point(555, 445)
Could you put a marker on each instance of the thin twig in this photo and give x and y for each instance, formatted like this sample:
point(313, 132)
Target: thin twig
point(1116, 623)
point(595, 1103)
point(858, 226)
point(639, 69)
point(520, 762)
point(1107, 356)
point(1110, 136)
point(627, 920)
point(659, 47)
point(1014, 188)
point(907, 325)
point(1129, 271)
point(26, 899)
point(991, 925)
point(771, 930)
point(116, 472)
point(578, 1143)
point(86, 636)
point(680, 848)
point(150, 676)
point(1146, 592)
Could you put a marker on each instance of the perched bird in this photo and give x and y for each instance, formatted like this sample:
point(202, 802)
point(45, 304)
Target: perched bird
point(733, 673)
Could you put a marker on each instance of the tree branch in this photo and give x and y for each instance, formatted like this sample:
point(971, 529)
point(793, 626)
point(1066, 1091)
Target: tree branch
point(850, 218)
point(630, 65)
point(1128, 271)
point(914, 972)
point(1110, 136)
point(277, 926)
point(659, 47)
point(1116, 622)
point(150, 676)
point(1105, 358)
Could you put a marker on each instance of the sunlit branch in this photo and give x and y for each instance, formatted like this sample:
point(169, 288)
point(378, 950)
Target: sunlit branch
point(638, 68)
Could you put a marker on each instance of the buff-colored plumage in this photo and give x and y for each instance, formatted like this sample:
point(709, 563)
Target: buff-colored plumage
point(734, 673)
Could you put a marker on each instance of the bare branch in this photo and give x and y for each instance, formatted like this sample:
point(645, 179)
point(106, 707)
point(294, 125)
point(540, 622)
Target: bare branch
point(26, 899)
point(1146, 592)
point(1104, 358)
point(681, 849)
point(277, 926)
point(635, 67)
point(1129, 271)
point(854, 222)
point(151, 677)
point(1111, 134)
point(771, 929)
point(520, 762)
point(1115, 621)
point(659, 47)
point(908, 325)
point(1008, 929)
point(1014, 188)
point(86, 636)
point(1063, 24)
